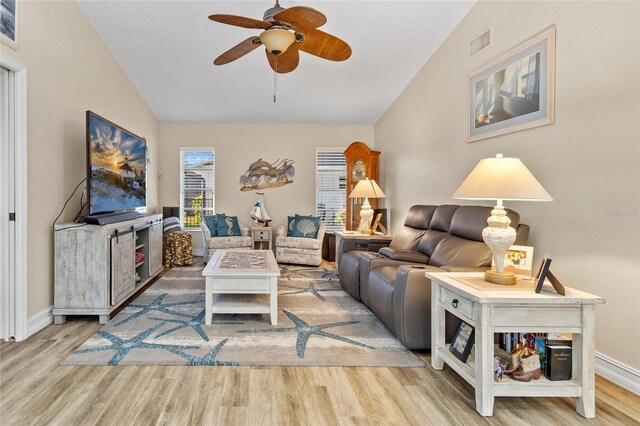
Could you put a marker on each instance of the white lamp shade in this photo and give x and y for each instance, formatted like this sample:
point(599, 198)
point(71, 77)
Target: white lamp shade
point(501, 178)
point(367, 188)
point(277, 40)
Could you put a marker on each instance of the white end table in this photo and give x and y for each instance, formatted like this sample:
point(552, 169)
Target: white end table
point(499, 309)
point(261, 237)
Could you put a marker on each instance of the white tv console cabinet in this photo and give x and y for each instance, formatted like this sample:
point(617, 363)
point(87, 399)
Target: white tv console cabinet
point(95, 265)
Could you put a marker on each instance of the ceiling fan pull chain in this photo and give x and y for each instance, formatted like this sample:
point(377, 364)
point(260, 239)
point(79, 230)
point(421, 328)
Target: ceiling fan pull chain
point(275, 80)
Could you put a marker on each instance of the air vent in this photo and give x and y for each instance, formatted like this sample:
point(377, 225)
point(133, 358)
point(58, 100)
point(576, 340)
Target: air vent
point(480, 42)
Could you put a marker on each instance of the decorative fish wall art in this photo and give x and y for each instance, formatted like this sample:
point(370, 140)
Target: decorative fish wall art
point(262, 174)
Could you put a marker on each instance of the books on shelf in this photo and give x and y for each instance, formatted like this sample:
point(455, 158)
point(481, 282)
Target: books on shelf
point(558, 362)
point(555, 351)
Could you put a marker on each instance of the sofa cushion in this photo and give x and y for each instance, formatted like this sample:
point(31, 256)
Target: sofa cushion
point(442, 217)
point(407, 239)
point(227, 226)
point(404, 255)
point(419, 217)
point(304, 227)
point(456, 251)
point(430, 240)
point(469, 221)
point(230, 242)
point(299, 242)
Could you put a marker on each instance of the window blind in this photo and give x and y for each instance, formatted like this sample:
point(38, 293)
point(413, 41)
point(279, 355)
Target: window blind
point(197, 185)
point(331, 187)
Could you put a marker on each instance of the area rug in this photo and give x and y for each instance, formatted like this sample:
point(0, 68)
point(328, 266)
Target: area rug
point(318, 324)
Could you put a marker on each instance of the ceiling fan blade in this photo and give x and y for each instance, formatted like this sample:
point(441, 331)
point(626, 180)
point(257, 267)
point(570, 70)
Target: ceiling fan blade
point(240, 21)
point(238, 51)
point(325, 45)
point(285, 62)
point(301, 18)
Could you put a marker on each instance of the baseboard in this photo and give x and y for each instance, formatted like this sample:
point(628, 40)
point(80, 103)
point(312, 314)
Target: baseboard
point(620, 374)
point(39, 321)
point(198, 252)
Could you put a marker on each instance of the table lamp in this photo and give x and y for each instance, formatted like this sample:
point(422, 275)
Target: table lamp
point(500, 179)
point(366, 188)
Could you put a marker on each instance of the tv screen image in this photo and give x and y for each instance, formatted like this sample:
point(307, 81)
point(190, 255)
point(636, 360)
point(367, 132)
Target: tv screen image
point(116, 166)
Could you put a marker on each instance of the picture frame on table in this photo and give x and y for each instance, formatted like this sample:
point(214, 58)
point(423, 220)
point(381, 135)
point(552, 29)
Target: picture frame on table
point(543, 270)
point(518, 260)
point(9, 23)
point(514, 91)
point(463, 341)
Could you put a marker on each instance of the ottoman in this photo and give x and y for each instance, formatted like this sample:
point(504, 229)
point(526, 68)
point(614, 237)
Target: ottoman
point(178, 249)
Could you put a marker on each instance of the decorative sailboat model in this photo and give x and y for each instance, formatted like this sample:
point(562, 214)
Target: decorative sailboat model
point(259, 212)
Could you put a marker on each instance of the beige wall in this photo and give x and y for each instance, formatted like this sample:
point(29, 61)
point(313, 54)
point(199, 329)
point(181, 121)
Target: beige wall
point(239, 145)
point(588, 160)
point(70, 70)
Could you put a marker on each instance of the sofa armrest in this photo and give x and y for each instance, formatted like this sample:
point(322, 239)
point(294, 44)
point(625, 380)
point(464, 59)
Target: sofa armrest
point(465, 268)
point(205, 230)
point(404, 255)
point(412, 307)
point(321, 230)
point(281, 231)
point(522, 235)
point(244, 231)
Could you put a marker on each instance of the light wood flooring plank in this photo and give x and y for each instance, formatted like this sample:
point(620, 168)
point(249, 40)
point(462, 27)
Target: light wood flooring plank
point(36, 390)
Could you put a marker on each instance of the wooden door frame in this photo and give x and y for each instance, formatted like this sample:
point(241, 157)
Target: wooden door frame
point(21, 226)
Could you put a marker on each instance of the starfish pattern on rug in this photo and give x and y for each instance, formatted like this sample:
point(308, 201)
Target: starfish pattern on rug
point(158, 306)
point(196, 322)
point(311, 288)
point(325, 274)
point(122, 347)
point(209, 358)
point(305, 331)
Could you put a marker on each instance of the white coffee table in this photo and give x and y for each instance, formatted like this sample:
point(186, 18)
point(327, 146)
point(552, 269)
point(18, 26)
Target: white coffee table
point(235, 278)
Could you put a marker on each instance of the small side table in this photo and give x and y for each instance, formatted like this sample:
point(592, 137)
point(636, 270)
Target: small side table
point(494, 309)
point(262, 237)
point(349, 240)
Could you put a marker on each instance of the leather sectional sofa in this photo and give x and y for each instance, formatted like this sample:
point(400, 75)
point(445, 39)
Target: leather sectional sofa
point(391, 282)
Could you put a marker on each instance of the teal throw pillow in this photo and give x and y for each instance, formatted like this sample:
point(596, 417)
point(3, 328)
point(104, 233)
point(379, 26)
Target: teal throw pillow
point(210, 221)
point(306, 226)
point(291, 220)
point(227, 226)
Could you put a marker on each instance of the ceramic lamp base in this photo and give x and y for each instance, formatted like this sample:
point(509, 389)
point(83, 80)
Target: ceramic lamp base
point(502, 278)
point(366, 214)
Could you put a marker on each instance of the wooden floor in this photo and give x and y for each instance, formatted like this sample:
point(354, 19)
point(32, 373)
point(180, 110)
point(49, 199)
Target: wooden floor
point(36, 389)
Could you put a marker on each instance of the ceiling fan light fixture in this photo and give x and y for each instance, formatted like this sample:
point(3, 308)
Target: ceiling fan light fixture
point(277, 40)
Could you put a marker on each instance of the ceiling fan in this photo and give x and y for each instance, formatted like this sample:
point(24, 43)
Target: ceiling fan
point(285, 33)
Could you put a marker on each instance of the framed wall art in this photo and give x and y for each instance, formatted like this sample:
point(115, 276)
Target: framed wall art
point(514, 91)
point(9, 22)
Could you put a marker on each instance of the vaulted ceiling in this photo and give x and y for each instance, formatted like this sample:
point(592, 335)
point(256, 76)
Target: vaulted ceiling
point(167, 50)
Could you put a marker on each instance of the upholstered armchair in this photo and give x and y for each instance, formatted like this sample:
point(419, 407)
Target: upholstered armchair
point(211, 244)
point(299, 250)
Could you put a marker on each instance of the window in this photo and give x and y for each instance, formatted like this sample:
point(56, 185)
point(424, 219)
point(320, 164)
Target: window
point(331, 187)
point(197, 185)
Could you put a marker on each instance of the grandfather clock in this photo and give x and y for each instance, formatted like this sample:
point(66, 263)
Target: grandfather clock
point(362, 162)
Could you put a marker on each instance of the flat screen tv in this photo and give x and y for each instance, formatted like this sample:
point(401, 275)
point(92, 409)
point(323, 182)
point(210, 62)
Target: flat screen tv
point(116, 167)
